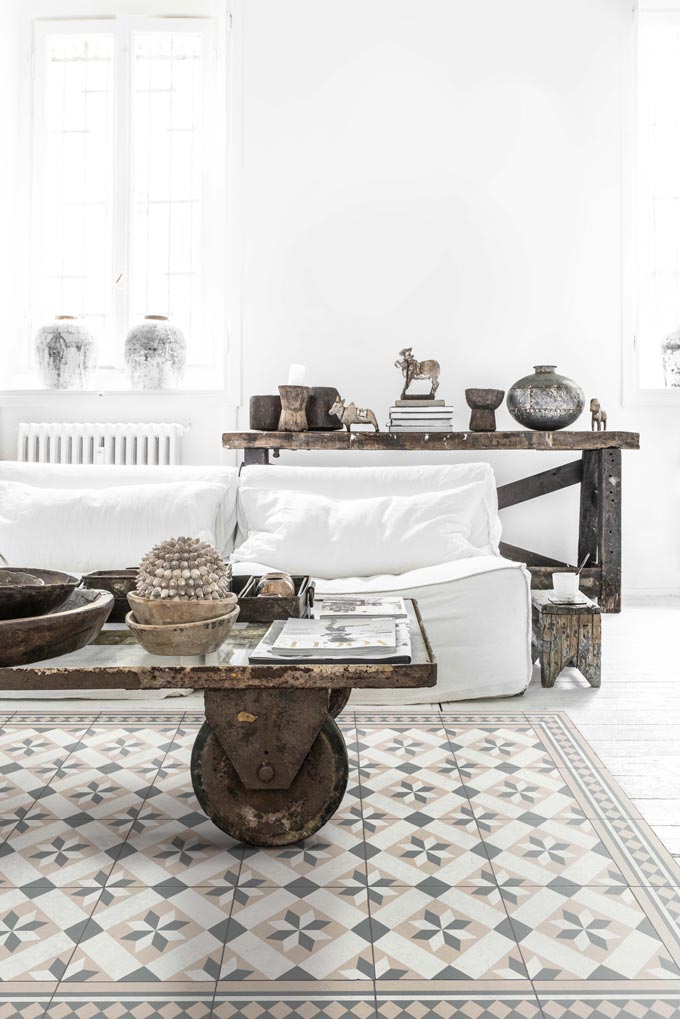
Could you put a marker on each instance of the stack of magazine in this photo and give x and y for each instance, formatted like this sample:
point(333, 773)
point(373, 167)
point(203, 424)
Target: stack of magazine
point(351, 636)
point(420, 416)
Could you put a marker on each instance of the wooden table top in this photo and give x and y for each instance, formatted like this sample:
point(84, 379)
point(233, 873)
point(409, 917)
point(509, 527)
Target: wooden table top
point(115, 661)
point(543, 600)
point(561, 440)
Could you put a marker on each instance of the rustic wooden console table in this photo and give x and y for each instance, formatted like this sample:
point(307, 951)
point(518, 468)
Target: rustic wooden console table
point(597, 471)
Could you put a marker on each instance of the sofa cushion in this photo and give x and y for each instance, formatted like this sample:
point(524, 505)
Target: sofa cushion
point(348, 483)
point(302, 532)
point(116, 475)
point(82, 529)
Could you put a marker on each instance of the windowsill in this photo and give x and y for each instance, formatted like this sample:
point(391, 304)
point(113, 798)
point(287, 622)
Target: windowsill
point(666, 397)
point(108, 384)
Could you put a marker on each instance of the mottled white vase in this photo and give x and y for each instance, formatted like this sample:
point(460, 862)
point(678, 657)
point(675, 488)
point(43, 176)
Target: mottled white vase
point(670, 351)
point(155, 354)
point(66, 353)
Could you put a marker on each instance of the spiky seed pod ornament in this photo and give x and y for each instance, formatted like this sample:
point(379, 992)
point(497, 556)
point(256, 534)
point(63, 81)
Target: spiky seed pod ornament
point(183, 568)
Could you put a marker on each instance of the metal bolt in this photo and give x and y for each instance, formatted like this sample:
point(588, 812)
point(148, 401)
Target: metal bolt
point(266, 772)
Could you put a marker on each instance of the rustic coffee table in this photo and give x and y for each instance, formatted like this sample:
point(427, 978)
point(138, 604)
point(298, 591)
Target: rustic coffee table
point(269, 764)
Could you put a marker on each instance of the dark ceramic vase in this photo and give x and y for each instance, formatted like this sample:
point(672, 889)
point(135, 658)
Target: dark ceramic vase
point(545, 401)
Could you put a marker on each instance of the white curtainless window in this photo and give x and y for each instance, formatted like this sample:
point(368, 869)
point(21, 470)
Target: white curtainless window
point(658, 197)
point(128, 206)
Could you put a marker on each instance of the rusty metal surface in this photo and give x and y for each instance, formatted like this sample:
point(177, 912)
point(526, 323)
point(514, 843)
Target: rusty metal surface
point(271, 817)
point(266, 734)
point(125, 665)
point(337, 699)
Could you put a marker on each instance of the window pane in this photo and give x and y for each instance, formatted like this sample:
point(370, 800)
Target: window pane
point(659, 193)
point(167, 142)
point(75, 183)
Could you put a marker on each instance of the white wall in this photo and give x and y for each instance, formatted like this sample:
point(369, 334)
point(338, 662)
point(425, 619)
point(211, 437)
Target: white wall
point(447, 175)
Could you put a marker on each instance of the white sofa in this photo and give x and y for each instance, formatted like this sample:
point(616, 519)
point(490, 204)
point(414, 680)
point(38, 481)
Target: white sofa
point(476, 605)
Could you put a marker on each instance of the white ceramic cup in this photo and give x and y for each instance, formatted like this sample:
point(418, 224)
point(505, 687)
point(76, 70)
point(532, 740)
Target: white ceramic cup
point(565, 586)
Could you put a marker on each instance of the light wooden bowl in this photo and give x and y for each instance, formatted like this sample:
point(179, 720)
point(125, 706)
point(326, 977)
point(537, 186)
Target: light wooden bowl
point(170, 611)
point(183, 638)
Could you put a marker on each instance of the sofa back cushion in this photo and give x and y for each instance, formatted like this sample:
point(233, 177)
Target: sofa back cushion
point(96, 476)
point(83, 529)
point(305, 532)
point(351, 483)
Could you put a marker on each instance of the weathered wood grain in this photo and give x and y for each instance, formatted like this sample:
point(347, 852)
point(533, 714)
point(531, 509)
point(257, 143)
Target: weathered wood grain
point(537, 485)
point(566, 635)
point(421, 441)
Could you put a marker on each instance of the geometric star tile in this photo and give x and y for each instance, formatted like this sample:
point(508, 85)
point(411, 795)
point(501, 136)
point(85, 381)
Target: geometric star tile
point(335, 855)
point(458, 934)
point(136, 748)
point(38, 933)
point(39, 748)
point(539, 789)
point(299, 934)
point(189, 848)
point(60, 850)
point(388, 746)
point(588, 933)
point(152, 935)
point(397, 792)
point(410, 851)
point(100, 795)
point(536, 850)
point(498, 746)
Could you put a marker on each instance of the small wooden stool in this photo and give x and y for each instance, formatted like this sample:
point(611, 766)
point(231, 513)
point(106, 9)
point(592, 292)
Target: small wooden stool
point(565, 635)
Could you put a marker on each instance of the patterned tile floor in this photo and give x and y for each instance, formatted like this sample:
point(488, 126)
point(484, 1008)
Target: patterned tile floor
point(480, 867)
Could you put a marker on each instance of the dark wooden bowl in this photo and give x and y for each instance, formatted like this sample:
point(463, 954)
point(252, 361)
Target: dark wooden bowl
point(22, 600)
point(59, 632)
point(119, 583)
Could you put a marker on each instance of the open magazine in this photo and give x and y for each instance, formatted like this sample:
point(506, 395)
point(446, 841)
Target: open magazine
point(323, 642)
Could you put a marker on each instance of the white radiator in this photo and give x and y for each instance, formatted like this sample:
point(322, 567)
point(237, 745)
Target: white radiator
point(63, 443)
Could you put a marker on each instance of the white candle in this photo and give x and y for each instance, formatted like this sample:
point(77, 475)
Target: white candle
point(296, 375)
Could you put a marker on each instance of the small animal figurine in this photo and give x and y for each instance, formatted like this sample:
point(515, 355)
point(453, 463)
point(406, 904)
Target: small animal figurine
point(412, 370)
point(598, 416)
point(352, 415)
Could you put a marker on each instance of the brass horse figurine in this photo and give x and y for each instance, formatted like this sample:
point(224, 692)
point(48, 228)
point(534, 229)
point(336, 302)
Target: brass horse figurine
point(412, 370)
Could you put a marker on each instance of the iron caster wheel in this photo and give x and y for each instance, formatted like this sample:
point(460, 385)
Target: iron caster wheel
point(271, 817)
point(337, 699)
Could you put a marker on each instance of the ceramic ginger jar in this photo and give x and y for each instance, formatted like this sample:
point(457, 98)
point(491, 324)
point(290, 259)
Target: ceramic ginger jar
point(155, 354)
point(66, 353)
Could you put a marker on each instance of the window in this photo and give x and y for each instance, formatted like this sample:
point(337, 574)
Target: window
point(129, 181)
point(658, 187)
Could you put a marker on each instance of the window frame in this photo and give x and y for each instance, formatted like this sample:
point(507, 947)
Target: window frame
point(633, 392)
point(220, 372)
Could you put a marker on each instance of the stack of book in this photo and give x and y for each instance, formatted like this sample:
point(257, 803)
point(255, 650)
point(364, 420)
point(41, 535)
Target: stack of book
point(420, 416)
point(337, 638)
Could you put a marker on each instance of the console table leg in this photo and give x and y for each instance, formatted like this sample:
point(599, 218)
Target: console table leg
point(600, 522)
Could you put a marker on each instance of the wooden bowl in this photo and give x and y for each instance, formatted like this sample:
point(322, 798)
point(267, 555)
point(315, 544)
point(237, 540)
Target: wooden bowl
point(170, 611)
point(184, 638)
point(119, 583)
point(72, 626)
point(19, 600)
